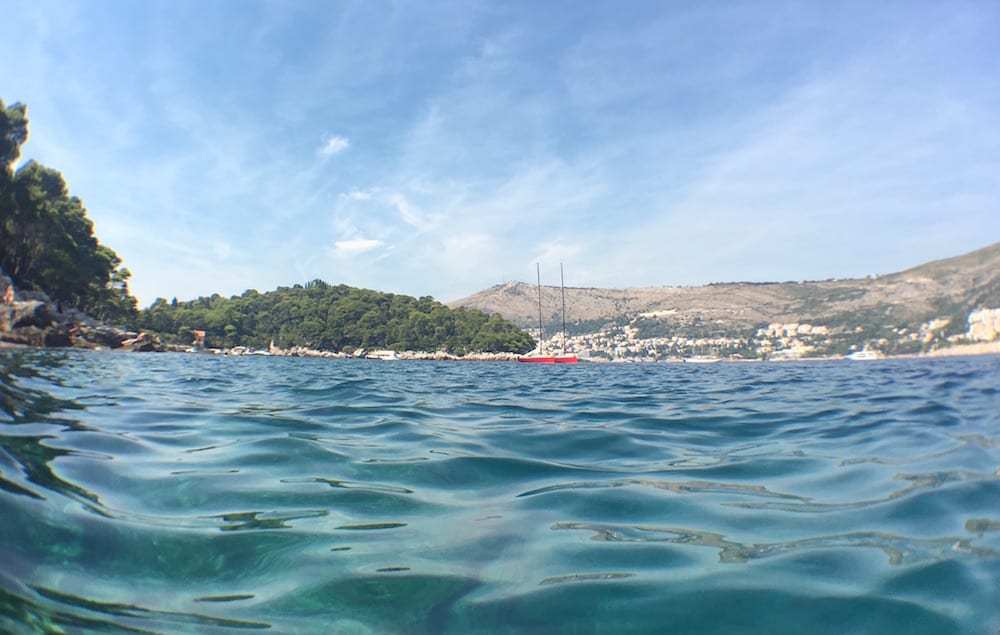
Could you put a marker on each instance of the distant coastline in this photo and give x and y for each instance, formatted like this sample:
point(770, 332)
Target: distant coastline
point(966, 350)
point(926, 309)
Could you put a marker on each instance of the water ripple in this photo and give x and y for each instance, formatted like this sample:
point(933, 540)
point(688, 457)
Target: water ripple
point(195, 494)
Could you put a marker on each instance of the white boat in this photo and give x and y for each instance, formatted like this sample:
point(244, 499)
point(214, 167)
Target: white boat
point(701, 360)
point(865, 355)
point(385, 356)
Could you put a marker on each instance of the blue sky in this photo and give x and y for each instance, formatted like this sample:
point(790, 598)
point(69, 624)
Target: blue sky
point(439, 148)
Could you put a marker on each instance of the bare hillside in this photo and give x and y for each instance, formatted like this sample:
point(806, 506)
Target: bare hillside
point(951, 287)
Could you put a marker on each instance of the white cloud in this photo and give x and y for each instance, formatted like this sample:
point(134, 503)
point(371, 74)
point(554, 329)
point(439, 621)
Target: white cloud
point(557, 251)
point(222, 250)
point(834, 181)
point(356, 245)
point(408, 212)
point(857, 158)
point(334, 144)
point(357, 195)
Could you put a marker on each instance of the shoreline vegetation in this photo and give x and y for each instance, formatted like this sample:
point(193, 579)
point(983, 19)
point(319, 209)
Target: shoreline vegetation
point(964, 350)
point(968, 350)
point(334, 318)
point(59, 286)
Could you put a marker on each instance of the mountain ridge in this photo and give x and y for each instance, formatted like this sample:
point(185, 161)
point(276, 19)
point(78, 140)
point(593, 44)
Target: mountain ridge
point(976, 272)
point(948, 289)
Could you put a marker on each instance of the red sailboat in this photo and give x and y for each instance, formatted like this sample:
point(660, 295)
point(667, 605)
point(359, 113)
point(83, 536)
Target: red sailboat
point(540, 357)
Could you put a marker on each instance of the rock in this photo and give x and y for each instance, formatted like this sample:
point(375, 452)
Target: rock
point(7, 291)
point(143, 343)
point(31, 323)
point(21, 314)
point(57, 336)
point(76, 316)
point(35, 336)
point(88, 336)
point(29, 319)
point(26, 336)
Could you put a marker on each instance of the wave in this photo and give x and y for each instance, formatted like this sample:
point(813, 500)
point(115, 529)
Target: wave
point(172, 493)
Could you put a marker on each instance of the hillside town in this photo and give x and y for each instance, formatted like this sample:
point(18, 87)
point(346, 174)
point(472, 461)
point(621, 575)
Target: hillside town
point(626, 342)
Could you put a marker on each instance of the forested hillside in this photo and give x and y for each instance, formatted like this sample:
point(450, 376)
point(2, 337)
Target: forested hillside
point(334, 317)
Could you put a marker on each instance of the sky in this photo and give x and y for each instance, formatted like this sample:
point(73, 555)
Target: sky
point(439, 148)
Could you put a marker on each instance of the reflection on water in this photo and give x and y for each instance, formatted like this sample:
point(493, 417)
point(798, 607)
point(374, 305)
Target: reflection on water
point(897, 548)
point(174, 494)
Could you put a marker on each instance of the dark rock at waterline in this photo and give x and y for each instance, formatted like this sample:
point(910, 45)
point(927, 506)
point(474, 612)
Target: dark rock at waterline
point(53, 336)
point(90, 335)
point(143, 343)
point(57, 336)
point(32, 319)
point(25, 336)
point(21, 314)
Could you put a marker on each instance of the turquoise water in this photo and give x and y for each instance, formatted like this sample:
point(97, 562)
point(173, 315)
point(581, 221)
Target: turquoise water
point(177, 494)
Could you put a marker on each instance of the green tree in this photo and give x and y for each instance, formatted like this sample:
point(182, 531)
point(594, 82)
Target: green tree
point(47, 241)
point(324, 316)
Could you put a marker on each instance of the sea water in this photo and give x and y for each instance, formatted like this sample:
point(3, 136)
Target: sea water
point(199, 494)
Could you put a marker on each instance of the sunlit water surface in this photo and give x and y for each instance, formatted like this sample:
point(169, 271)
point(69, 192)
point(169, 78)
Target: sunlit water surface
point(176, 494)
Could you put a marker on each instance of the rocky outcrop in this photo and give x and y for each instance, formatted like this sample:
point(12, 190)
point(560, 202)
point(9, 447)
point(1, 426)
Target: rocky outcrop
point(52, 336)
point(101, 335)
point(143, 343)
point(30, 318)
point(21, 314)
point(436, 356)
point(29, 322)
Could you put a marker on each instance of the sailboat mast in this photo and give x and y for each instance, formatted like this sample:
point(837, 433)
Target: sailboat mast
point(541, 334)
point(562, 288)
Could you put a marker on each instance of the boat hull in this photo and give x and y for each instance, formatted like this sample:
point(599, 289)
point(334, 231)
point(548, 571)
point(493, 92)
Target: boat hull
point(569, 359)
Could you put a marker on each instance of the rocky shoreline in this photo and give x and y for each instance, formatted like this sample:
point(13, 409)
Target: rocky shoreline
point(31, 318)
point(381, 355)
